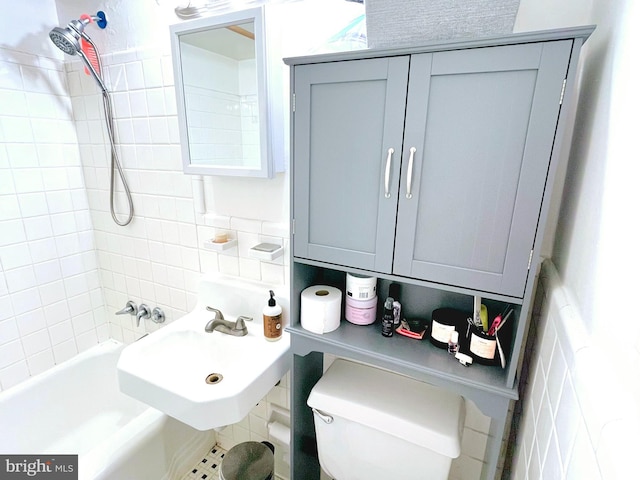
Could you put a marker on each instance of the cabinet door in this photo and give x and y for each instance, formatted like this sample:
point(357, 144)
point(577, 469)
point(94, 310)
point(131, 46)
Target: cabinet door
point(348, 117)
point(482, 122)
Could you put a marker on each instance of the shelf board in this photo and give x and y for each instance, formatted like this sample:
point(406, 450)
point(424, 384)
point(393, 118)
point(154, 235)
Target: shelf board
point(416, 358)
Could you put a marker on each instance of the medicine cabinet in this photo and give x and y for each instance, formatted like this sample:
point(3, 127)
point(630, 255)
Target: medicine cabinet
point(229, 97)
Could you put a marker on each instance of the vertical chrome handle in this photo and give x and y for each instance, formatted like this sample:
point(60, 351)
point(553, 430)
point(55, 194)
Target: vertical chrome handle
point(387, 173)
point(412, 152)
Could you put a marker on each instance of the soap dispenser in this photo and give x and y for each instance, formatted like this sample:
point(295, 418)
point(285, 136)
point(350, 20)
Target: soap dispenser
point(272, 319)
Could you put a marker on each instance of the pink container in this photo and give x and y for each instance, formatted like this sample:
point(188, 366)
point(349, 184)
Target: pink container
point(361, 312)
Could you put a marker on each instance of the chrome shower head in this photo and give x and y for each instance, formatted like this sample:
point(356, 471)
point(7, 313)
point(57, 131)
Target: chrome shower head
point(73, 41)
point(65, 40)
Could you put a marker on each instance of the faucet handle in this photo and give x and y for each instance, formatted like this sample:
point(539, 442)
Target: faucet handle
point(219, 314)
point(240, 325)
point(143, 312)
point(130, 308)
point(157, 315)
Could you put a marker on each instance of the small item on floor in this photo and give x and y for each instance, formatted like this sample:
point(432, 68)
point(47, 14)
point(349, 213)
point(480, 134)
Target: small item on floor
point(248, 461)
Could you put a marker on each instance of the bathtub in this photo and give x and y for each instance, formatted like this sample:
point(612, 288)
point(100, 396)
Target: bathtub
point(77, 408)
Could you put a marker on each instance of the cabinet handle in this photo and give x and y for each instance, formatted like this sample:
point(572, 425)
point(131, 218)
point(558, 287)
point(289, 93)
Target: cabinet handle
point(412, 152)
point(387, 173)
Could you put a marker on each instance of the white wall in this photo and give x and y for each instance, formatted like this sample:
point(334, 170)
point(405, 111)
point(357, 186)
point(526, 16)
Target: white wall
point(582, 409)
point(51, 304)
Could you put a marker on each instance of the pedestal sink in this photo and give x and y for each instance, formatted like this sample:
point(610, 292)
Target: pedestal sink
point(209, 380)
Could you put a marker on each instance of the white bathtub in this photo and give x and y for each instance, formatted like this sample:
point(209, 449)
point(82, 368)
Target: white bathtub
point(77, 408)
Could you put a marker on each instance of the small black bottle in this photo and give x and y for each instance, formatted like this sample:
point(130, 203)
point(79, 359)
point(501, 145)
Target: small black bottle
point(387, 318)
point(394, 292)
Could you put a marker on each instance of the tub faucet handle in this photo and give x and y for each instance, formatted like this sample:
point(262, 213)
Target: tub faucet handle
point(130, 308)
point(157, 315)
point(143, 312)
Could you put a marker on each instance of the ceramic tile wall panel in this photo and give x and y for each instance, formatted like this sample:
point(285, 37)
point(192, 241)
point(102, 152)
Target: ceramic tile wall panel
point(51, 304)
point(159, 257)
point(581, 413)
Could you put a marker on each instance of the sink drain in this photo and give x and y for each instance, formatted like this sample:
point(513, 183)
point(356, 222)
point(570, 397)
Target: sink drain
point(213, 378)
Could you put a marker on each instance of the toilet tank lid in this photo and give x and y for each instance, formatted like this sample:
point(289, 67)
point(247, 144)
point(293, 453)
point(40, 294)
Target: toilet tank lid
point(417, 412)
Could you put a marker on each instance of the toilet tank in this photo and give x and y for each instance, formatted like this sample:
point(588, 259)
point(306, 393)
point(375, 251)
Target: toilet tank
point(373, 424)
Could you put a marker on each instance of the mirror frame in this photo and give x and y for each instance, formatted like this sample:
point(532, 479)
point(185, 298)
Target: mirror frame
point(266, 169)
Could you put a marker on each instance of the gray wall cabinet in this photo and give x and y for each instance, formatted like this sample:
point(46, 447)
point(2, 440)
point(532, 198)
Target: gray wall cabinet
point(432, 167)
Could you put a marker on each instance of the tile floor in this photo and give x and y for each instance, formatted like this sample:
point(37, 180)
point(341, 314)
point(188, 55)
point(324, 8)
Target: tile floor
point(209, 467)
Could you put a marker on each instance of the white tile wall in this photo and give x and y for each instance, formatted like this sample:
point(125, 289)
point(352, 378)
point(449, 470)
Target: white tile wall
point(50, 300)
point(581, 414)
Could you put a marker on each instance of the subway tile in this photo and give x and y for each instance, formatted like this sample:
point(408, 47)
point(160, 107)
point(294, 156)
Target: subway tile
point(51, 293)
point(12, 232)
point(11, 353)
point(25, 301)
point(36, 342)
point(38, 228)
point(159, 129)
point(245, 225)
point(22, 155)
point(10, 76)
point(59, 201)
point(250, 268)
point(178, 299)
point(33, 204)
point(8, 331)
point(272, 274)
point(31, 321)
point(56, 179)
point(9, 207)
point(6, 306)
point(152, 71)
point(16, 129)
point(141, 131)
point(155, 102)
point(20, 279)
point(65, 351)
point(57, 312)
point(28, 180)
point(15, 256)
point(135, 75)
point(48, 271)
point(138, 103)
point(87, 340)
point(13, 374)
point(42, 250)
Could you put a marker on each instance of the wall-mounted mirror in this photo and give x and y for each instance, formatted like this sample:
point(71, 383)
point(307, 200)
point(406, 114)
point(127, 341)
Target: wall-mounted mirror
point(227, 115)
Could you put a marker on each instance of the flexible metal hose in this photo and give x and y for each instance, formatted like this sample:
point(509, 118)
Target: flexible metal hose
point(115, 160)
point(115, 163)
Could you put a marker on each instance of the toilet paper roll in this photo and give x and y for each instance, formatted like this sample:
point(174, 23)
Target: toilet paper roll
point(320, 308)
point(279, 433)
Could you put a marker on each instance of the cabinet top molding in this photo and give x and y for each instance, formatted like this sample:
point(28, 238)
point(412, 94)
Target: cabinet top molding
point(583, 33)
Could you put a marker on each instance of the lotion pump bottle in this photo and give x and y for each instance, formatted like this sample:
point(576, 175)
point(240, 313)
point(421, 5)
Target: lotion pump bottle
point(272, 319)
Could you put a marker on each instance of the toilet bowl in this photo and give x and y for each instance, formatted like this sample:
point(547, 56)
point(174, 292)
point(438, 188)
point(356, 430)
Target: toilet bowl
point(372, 424)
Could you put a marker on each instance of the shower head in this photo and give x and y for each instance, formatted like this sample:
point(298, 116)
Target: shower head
point(65, 40)
point(70, 40)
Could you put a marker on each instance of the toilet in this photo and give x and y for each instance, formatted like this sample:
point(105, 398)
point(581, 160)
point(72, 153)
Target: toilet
point(372, 424)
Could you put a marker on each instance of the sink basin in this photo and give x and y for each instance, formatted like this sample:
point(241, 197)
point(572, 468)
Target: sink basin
point(209, 380)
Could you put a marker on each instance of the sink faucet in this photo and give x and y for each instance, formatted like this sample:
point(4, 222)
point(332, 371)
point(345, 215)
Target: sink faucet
point(237, 328)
